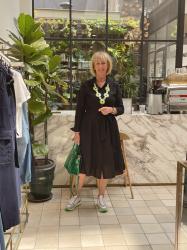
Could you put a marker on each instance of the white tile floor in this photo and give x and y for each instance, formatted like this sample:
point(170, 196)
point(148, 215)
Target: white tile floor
point(147, 222)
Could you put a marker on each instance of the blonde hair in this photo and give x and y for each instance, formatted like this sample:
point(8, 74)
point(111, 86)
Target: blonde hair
point(103, 56)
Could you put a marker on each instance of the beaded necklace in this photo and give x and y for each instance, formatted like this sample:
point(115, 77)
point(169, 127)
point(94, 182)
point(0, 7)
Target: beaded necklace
point(106, 94)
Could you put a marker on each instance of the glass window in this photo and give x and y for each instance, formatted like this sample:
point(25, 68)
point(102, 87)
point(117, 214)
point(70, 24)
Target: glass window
point(130, 9)
point(161, 33)
point(170, 59)
point(124, 19)
point(159, 64)
point(122, 38)
point(161, 19)
point(161, 61)
point(55, 28)
point(172, 30)
point(151, 47)
point(151, 65)
point(88, 19)
point(126, 64)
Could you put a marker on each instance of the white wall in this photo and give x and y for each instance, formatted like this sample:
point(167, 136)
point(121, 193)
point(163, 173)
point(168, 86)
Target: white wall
point(26, 6)
point(9, 10)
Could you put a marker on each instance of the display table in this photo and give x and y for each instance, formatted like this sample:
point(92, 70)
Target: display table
point(156, 143)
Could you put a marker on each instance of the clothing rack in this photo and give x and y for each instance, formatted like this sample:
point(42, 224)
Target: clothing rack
point(14, 234)
point(11, 61)
point(5, 59)
point(15, 64)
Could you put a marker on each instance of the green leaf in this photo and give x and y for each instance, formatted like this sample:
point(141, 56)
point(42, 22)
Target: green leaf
point(36, 107)
point(25, 24)
point(35, 35)
point(38, 62)
point(40, 44)
point(51, 88)
point(28, 52)
point(39, 74)
point(39, 149)
point(42, 118)
point(46, 51)
point(29, 29)
point(14, 37)
point(31, 83)
point(29, 68)
point(54, 63)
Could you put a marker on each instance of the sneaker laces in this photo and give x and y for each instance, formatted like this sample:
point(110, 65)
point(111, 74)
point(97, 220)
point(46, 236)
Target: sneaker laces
point(73, 200)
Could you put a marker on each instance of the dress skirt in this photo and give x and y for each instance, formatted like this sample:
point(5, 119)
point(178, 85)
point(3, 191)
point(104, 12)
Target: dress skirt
point(100, 147)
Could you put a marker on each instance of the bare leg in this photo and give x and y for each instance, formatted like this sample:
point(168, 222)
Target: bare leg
point(75, 200)
point(81, 183)
point(102, 183)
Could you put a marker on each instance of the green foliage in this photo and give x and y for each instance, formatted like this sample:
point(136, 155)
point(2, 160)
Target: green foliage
point(39, 149)
point(90, 28)
point(123, 54)
point(41, 68)
point(130, 89)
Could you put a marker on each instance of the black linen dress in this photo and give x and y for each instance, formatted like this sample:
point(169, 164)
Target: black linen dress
point(101, 154)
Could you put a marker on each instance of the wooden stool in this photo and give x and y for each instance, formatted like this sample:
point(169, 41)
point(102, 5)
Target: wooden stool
point(124, 137)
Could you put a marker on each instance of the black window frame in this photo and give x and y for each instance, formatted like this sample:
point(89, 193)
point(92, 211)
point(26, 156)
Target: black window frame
point(178, 41)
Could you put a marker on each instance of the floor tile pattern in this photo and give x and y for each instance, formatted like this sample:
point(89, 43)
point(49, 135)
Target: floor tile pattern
point(145, 223)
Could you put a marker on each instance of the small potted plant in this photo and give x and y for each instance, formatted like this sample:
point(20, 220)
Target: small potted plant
point(41, 71)
point(130, 91)
point(124, 63)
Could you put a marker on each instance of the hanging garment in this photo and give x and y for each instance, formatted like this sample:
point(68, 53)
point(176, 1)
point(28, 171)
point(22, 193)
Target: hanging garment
point(24, 148)
point(9, 179)
point(22, 127)
point(2, 242)
point(22, 95)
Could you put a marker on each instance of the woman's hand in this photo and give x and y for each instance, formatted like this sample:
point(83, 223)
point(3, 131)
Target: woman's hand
point(106, 110)
point(76, 138)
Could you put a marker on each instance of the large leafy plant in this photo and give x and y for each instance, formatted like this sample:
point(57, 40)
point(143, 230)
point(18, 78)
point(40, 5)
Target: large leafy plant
point(41, 72)
point(123, 54)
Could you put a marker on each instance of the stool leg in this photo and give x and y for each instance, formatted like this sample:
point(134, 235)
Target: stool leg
point(126, 166)
point(125, 173)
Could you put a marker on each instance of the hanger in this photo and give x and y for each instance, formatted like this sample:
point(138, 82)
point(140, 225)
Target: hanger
point(5, 59)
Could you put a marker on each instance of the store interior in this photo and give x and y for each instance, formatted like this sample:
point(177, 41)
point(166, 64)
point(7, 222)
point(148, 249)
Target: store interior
point(47, 46)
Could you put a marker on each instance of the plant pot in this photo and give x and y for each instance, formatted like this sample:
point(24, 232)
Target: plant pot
point(42, 181)
point(127, 102)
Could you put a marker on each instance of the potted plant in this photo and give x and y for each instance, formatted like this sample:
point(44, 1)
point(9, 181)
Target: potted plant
point(41, 73)
point(124, 63)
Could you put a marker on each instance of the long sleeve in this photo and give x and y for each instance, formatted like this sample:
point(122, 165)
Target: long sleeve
point(80, 109)
point(119, 103)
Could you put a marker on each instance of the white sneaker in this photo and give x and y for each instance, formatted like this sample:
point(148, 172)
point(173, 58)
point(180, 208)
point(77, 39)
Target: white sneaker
point(102, 204)
point(73, 203)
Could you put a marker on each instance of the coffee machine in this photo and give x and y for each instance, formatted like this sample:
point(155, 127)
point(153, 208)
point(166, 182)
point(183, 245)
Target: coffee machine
point(154, 103)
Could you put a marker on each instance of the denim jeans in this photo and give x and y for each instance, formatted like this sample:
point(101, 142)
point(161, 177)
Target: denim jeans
point(24, 148)
point(9, 173)
point(2, 242)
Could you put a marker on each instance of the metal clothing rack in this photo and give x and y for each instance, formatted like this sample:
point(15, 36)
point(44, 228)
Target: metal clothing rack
point(13, 235)
point(4, 54)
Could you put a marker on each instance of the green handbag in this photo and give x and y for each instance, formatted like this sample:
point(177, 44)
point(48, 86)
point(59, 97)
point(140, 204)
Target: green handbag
point(72, 162)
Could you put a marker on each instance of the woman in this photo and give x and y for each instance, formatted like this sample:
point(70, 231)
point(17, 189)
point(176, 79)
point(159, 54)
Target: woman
point(96, 129)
